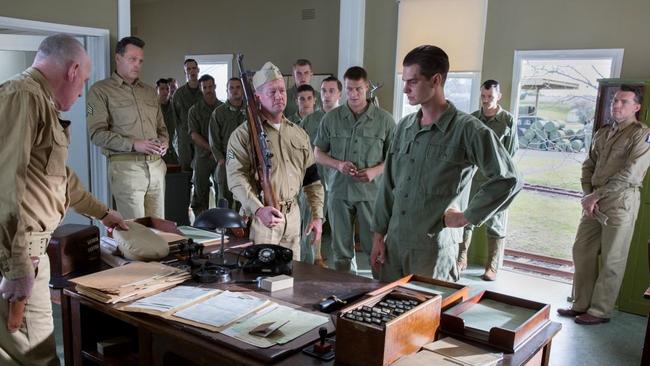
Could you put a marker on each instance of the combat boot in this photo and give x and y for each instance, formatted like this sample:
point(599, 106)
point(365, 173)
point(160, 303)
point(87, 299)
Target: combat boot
point(495, 250)
point(463, 247)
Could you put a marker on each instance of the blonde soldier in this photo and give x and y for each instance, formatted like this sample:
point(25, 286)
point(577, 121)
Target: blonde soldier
point(503, 125)
point(37, 189)
point(183, 99)
point(330, 91)
point(353, 140)
point(302, 74)
point(291, 159)
point(205, 164)
point(125, 120)
point(164, 98)
point(223, 121)
point(611, 179)
point(306, 102)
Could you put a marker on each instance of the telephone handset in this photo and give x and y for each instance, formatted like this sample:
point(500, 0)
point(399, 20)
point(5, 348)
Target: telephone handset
point(267, 259)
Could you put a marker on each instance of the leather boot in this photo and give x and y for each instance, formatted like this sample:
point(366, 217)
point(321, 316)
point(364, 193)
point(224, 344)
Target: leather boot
point(495, 250)
point(461, 262)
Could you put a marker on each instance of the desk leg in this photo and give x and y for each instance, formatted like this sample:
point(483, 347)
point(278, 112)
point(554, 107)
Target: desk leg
point(67, 329)
point(74, 314)
point(145, 345)
point(546, 354)
point(645, 357)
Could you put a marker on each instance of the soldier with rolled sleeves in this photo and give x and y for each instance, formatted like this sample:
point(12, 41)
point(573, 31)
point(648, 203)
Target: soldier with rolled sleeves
point(164, 98)
point(292, 168)
point(353, 140)
point(612, 176)
point(302, 74)
point(416, 223)
point(330, 91)
point(184, 98)
point(305, 98)
point(205, 164)
point(125, 120)
point(37, 189)
point(223, 121)
point(503, 125)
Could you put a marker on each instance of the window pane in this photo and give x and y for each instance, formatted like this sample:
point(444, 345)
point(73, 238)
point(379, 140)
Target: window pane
point(219, 71)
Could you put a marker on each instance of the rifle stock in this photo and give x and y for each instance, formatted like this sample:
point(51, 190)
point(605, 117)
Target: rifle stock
point(261, 158)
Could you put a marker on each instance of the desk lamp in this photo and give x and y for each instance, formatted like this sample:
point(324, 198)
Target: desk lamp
point(221, 218)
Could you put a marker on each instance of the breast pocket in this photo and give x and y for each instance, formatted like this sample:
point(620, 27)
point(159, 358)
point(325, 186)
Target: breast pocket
point(59, 154)
point(339, 141)
point(441, 173)
point(371, 145)
point(123, 112)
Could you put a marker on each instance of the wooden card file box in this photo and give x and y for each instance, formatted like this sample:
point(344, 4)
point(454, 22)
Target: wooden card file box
point(363, 344)
point(481, 318)
point(452, 293)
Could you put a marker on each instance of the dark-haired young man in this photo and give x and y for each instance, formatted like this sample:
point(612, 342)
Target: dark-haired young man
point(125, 120)
point(353, 140)
point(205, 165)
point(306, 100)
point(184, 98)
point(173, 86)
point(417, 225)
point(502, 123)
point(163, 89)
point(611, 179)
point(302, 74)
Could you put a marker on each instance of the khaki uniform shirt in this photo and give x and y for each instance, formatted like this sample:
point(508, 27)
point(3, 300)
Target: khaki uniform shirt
point(292, 107)
point(184, 98)
point(364, 141)
point(223, 121)
point(292, 155)
point(619, 162)
point(428, 167)
point(198, 119)
point(37, 186)
point(119, 113)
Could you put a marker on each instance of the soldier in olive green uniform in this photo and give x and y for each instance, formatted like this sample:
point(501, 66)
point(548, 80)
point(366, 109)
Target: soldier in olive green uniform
point(503, 125)
point(306, 103)
point(37, 189)
point(291, 160)
point(125, 120)
point(353, 140)
point(164, 98)
point(183, 99)
point(205, 165)
point(302, 74)
point(223, 121)
point(611, 179)
point(431, 161)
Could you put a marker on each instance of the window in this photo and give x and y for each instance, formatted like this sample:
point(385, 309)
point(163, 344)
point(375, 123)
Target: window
point(217, 66)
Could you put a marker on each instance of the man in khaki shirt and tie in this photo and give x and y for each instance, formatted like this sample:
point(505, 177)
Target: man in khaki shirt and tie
point(611, 178)
point(37, 189)
point(290, 160)
point(125, 120)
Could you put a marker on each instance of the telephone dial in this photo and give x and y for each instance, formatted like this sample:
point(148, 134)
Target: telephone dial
point(267, 259)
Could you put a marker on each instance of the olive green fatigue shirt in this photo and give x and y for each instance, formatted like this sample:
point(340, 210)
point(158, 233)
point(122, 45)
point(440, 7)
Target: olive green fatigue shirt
point(118, 113)
point(295, 118)
point(184, 98)
point(292, 107)
point(364, 141)
point(504, 127)
point(198, 119)
point(170, 123)
point(619, 162)
point(291, 156)
point(310, 124)
point(223, 121)
point(37, 186)
point(428, 167)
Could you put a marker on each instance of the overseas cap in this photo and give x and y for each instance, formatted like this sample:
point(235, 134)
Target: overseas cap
point(268, 72)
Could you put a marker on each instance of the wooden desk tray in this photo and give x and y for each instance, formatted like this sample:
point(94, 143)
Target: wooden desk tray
point(452, 293)
point(367, 344)
point(522, 318)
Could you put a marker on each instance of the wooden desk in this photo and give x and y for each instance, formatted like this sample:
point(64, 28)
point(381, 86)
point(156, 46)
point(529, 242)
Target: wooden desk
point(162, 342)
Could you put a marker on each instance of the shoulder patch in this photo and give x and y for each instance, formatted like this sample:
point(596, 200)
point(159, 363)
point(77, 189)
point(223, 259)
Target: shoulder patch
point(647, 138)
point(230, 155)
point(89, 110)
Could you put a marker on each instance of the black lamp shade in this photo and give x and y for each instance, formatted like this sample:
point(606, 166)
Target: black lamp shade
point(218, 218)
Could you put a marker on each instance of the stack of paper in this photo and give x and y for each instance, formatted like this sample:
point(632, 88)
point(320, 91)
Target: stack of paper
point(202, 236)
point(168, 302)
point(129, 282)
point(450, 351)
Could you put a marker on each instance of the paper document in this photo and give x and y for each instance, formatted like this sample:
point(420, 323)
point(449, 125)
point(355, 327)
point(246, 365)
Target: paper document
point(201, 236)
point(463, 352)
point(171, 300)
point(222, 309)
point(489, 313)
point(429, 288)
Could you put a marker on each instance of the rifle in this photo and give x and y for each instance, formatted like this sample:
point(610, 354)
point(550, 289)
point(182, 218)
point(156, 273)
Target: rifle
point(261, 158)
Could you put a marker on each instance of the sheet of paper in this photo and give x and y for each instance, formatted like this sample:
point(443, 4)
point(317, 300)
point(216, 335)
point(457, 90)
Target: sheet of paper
point(463, 352)
point(200, 236)
point(170, 300)
point(299, 323)
point(222, 309)
point(425, 358)
point(489, 313)
point(429, 288)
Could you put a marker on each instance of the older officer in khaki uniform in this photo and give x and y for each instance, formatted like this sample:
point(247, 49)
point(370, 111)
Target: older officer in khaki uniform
point(205, 164)
point(125, 120)
point(223, 121)
point(611, 178)
point(292, 156)
point(37, 189)
point(503, 125)
point(431, 160)
point(353, 140)
point(330, 90)
point(302, 74)
point(164, 98)
point(182, 100)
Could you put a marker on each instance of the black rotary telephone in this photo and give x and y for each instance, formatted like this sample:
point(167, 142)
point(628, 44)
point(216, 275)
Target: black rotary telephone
point(267, 259)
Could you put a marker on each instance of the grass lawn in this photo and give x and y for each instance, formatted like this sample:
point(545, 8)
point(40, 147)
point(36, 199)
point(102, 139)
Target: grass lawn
point(551, 168)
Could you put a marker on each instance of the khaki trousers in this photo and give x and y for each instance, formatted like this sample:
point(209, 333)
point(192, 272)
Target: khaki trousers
point(138, 187)
point(595, 289)
point(286, 234)
point(342, 216)
point(204, 169)
point(33, 344)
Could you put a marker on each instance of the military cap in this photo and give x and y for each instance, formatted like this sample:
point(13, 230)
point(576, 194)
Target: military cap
point(268, 72)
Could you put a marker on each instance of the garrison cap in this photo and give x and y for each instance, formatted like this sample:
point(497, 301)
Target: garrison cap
point(268, 72)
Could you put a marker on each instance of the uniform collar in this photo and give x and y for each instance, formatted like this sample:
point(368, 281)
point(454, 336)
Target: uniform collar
point(624, 124)
point(486, 118)
point(233, 108)
point(38, 76)
point(118, 79)
point(443, 122)
point(369, 113)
